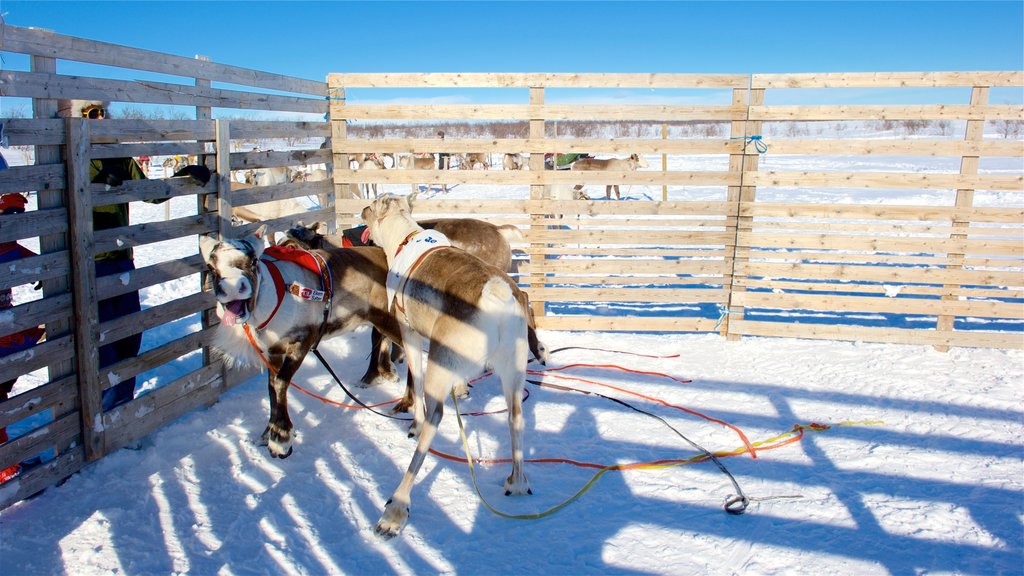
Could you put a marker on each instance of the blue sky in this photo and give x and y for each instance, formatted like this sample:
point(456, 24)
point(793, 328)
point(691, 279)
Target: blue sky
point(312, 39)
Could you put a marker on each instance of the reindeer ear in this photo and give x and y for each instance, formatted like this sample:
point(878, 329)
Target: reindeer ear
point(411, 198)
point(257, 244)
point(206, 246)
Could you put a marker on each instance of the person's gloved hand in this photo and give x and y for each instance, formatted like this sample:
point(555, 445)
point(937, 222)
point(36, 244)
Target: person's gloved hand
point(199, 174)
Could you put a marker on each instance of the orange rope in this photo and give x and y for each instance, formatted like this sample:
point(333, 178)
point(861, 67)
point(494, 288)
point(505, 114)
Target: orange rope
point(742, 436)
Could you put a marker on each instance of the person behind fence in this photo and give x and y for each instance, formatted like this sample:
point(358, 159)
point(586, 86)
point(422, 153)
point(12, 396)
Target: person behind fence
point(113, 172)
point(12, 343)
point(444, 159)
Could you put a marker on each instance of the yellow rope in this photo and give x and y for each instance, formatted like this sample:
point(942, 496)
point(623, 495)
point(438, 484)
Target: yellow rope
point(640, 466)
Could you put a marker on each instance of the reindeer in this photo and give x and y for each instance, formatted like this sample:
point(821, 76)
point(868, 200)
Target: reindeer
point(513, 162)
point(611, 164)
point(413, 162)
point(468, 316)
point(255, 297)
point(482, 239)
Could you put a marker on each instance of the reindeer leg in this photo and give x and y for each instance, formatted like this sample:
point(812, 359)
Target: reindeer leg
point(396, 511)
point(279, 429)
point(380, 369)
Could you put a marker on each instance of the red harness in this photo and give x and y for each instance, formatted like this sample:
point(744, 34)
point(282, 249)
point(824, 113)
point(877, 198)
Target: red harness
point(308, 260)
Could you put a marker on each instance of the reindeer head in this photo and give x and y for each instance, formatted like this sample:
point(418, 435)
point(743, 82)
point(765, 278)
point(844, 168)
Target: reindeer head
point(233, 273)
point(386, 217)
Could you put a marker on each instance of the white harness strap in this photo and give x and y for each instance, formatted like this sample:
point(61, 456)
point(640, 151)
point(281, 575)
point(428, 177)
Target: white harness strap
point(406, 259)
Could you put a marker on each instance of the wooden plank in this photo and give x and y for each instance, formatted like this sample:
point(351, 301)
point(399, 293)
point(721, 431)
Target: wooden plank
point(51, 200)
point(896, 147)
point(153, 189)
point(59, 395)
point(117, 131)
point(35, 313)
point(148, 233)
point(284, 222)
point(965, 197)
point(272, 159)
point(922, 112)
point(626, 323)
point(34, 269)
point(140, 278)
point(61, 431)
point(148, 149)
point(138, 322)
point(635, 237)
point(34, 132)
point(31, 178)
point(464, 112)
point(897, 180)
point(886, 274)
point(623, 267)
point(874, 243)
point(269, 129)
point(155, 357)
point(881, 304)
point(162, 406)
point(943, 214)
point(42, 222)
point(887, 79)
point(1013, 340)
point(639, 295)
point(40, 85)
point(529, 177)
point(878, 288)
point(534, 80)
point(261, 194)
point(51, 472)
point(610, 146)
point(46, 43)
point(52, 350)
point(83, 255)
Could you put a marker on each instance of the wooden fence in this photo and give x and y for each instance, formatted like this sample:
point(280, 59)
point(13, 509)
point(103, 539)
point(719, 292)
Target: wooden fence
point(944, 275)
point(721, 264)
point(61, 420)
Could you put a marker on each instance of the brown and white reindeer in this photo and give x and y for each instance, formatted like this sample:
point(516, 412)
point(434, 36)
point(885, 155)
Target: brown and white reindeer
point(611, 164)
point(467, 315)
point(413, 162)
point(489, 242)
point(275, 307)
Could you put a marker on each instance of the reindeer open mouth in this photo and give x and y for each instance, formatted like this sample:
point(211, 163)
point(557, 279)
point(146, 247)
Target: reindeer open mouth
point(234, 312)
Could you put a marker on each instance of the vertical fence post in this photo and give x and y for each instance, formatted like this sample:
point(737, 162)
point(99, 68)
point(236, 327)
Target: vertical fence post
point(224, 199)
point(964, 199)
point(202, 207)
point(741, 195)
point(83, 270)
point(340, 161)
point(537, 221)
point(664, 164)
point(45, 108)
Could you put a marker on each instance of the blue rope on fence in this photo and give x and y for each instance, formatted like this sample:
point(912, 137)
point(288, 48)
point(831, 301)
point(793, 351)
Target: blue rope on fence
point(758, 141)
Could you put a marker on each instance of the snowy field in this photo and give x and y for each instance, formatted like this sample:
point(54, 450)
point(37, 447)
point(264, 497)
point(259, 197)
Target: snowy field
point(921, 470)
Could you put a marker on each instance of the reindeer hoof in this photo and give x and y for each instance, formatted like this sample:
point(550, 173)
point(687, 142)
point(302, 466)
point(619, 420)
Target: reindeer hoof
point(392, 520)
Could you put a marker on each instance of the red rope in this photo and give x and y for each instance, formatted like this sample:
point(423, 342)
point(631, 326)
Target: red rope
point(742, 436)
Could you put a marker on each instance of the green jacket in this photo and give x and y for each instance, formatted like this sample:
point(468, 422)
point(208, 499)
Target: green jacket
point(113, 215)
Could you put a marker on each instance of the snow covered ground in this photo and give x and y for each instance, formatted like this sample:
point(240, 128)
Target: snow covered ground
point(922, 470)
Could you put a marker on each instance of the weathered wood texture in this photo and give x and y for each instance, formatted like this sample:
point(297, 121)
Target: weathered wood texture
point(938, 275)
point(63, 416)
